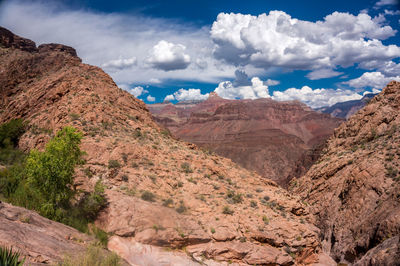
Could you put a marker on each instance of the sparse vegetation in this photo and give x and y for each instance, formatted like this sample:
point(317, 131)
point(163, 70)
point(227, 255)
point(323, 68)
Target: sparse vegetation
point(93, 256)
point(43, 181)
point(148, 196)
point(112, 164)
point(227, 210)
point(233, 197)
point(8, 257)
point(186, 168)
point(181, 208)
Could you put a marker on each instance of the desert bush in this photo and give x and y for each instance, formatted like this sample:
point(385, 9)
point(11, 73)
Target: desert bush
point(227, 210)
point(113, 164)
point(93, 256)
point(94, 202)
point(10, 132)
point(186, 167)
point(148, 196)
point(181, 208)
point(234, 197)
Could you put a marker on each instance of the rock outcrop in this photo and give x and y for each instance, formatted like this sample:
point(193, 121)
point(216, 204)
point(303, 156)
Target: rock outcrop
point(278, 140)
point(346, 109)
point(354, 189)
point(38, 239)
point(161, 192)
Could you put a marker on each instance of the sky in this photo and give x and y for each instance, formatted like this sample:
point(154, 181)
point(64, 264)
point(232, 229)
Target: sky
point(318, 52)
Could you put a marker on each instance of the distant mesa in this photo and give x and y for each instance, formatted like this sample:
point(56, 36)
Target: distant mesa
point(279, 140)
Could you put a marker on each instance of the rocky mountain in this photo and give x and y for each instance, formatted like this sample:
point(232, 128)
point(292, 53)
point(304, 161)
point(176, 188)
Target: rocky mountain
point(169, 203)
point(354, 188)
point(346, 109)
point(278, 140)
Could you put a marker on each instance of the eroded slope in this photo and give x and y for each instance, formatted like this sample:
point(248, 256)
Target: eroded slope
point(354, 189)
point(161, 192)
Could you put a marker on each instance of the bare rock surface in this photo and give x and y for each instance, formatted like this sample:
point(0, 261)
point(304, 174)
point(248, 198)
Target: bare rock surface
point(354, 188)
point(161, 192)
point(38, 239)
point(278, 140)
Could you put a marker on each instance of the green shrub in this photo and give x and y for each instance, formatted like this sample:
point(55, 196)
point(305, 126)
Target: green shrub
point(148, 196)
point(186, 167)
point(10, 132)
point(234, 197)
point(113, 164)
point(101, 235)
point(168, 202)
point(181, 208)
point(93, 256)
point(10, 258)
point(227, 210)
point(94, 202)
point(51, 172)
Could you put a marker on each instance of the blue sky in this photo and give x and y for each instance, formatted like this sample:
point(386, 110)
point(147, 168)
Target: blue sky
point(319, 52)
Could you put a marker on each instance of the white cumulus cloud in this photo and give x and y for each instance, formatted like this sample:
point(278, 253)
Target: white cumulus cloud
point(168, 56)
point(278, 40)
point(169, 97)
point(386, 3)
point(375, 80)
point(323, 73)
point(120, 63)
point(316, 98)
point(187, 95)
point(135, 91)
point(256, 89)
point(151, 98)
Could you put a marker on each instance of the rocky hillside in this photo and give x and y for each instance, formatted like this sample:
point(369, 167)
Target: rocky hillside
point(278, 140)
point(346, 109)
point(168, 201)
point(354, 189)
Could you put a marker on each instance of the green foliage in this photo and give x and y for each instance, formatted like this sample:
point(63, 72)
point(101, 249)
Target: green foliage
point(10, 258)
point(94, 202)
point(93, 256)
point(101, 235)
point(51, 172)
point(10, 132)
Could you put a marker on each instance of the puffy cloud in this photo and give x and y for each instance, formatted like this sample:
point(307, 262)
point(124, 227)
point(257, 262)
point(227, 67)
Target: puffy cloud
point(151, 98)
point(323, 73)
point(374, 80)
point(271, 82)
point(316, 98)
point(101, 38)
point(189, 95)
point(278, 40)
point(392, 12)
point(168, 56)
point(386, 3)
point(136, 91)
point(120, 63)
point(256, 89)
point(169, 97)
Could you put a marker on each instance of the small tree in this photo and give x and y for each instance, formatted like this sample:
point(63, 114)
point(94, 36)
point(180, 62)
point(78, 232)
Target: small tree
point(51, 172)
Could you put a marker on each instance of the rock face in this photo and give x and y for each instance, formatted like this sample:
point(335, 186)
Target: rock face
point(37, 238)
point(346, 109)
point(354, 187)
point(161, 192)
point(278, 140)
